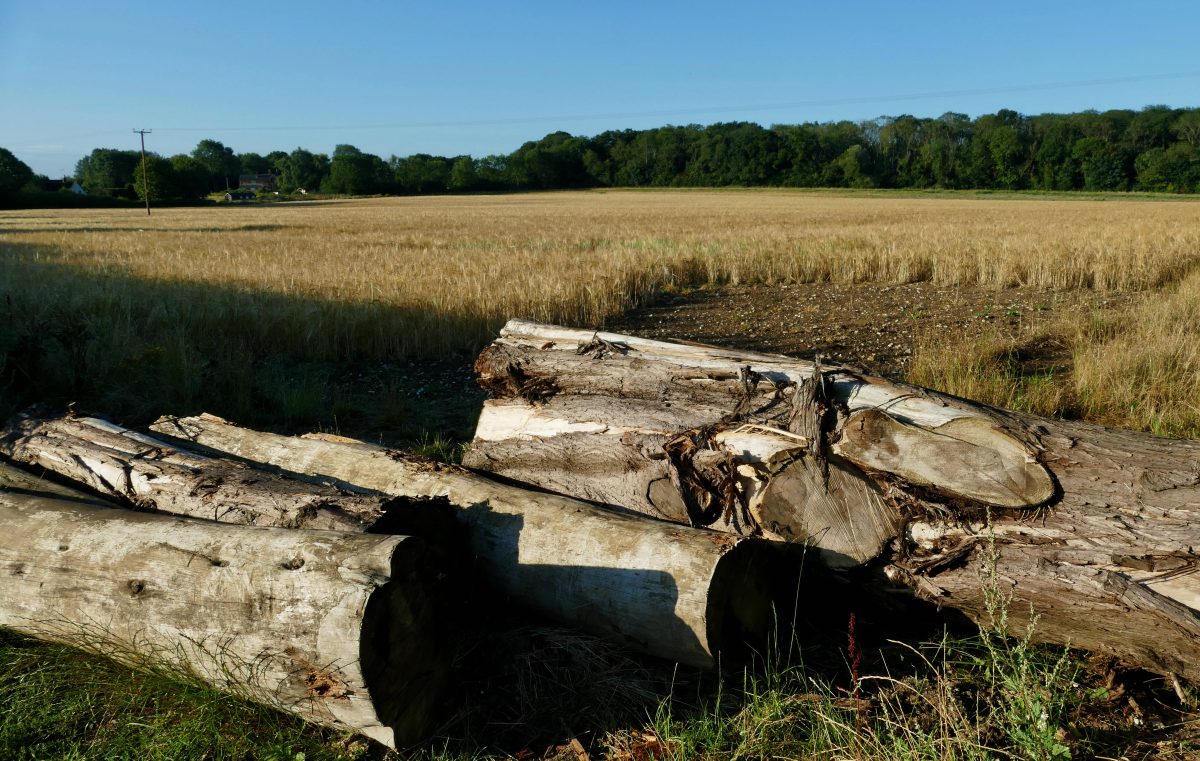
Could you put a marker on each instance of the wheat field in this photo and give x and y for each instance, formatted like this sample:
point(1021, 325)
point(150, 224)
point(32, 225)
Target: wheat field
point(186, 305)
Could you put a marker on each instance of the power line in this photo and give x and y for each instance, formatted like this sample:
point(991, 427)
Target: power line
point(862, 100)
point(999, 90)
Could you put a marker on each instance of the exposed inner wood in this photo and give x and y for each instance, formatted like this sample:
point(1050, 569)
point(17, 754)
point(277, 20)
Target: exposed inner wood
point(1077, 521)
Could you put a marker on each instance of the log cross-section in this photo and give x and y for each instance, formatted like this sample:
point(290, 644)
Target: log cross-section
point(1095, 531)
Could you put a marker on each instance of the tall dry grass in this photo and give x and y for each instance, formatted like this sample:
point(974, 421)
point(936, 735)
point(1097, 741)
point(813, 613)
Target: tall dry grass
point(198, 298)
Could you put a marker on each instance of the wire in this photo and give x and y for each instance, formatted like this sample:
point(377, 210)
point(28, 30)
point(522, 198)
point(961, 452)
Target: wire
point(660, 113)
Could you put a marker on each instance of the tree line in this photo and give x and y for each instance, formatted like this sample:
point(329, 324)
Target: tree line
point(1154, 149)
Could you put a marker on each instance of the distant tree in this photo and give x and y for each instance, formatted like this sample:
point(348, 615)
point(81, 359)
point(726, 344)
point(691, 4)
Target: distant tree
point(421, 173)
point(14, 173)
point(1174, 170)
point(108, 172)
point(1099, 163)
point(253, 163)
point(555, 161)
point(160, 179)
point(492, 171)
point(464, 175)
point(191, 177)
point(1150, 128)
point(855, 168)
point(1187, 127)
point(354, 172)
point(302, 169)
point(220, 162)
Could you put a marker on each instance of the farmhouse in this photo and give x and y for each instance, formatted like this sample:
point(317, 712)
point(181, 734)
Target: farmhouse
point(65, 184)
point(257, 181)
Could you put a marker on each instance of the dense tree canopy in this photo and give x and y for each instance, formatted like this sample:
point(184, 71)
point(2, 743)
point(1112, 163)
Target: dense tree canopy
point(1154, 149)
point(14, 173)
point(108, 172)
point(221, 163)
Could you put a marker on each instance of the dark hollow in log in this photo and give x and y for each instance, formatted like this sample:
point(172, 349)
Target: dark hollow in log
point(334, 628)
point(689, 595)
point(1094, 530)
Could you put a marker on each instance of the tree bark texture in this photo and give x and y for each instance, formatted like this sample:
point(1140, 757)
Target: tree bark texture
point(146, 473)
point(689, 595)
point(331, 627)
point(1096, 531)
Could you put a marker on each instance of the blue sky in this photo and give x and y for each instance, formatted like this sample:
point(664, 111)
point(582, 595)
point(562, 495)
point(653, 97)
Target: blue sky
point(473, 77)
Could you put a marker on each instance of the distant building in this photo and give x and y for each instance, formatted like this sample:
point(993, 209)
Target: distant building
point(66, 184)
point(257, 181)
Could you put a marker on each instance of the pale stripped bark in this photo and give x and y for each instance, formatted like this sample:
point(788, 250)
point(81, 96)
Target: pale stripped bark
point(144, 472)
point(1095, 530)
point(331, 627)
point(689, 595)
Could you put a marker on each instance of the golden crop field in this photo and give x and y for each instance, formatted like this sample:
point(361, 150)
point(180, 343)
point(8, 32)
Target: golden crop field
point(187, 305)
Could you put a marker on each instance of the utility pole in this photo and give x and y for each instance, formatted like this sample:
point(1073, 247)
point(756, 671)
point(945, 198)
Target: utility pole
point(145, 180)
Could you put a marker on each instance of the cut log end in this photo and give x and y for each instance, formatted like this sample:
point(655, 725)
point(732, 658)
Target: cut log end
point(744, 615)
point(402, 659)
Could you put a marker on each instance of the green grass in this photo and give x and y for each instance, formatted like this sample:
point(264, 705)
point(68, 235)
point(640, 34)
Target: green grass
point(60, 703)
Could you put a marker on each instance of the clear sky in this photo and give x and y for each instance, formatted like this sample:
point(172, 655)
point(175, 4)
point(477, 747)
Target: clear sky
point(477, 77)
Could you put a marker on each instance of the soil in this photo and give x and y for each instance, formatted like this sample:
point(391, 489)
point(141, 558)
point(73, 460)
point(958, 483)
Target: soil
point(877, 327)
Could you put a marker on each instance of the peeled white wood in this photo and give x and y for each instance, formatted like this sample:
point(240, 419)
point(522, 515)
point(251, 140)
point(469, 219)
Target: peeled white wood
point(679, 593)
point(141, 471)
point(1095, 530)
point(328, 626)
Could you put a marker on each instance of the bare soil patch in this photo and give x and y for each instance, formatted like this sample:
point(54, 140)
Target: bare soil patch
point(863, 325)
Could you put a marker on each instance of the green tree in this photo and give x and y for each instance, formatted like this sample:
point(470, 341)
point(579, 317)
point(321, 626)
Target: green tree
point(301, 169)
point(14, 173)
point(463, 175)
point(108, 172)
point(555, 161)
point(1187, 127)
point(421, 173)
point(854, 167)
point(160, 179)
point(220, 162)
point(1099, 163)
point(253, 163)
point(191, 178)
point(356, 173)
point(1173, 170)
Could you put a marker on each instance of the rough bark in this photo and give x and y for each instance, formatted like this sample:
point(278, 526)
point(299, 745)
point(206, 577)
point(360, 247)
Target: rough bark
point(1093, 530)
point(331, 627)
point(690, 595)
point(146, 473)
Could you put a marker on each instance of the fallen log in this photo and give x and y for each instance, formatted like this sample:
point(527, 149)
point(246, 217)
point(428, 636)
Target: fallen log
point(331, 627)
point(689, 595)
point(143, 472)
point(1093, 531)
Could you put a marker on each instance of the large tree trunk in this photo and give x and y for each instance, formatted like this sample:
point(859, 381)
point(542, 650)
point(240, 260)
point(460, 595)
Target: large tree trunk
point(690, 595)
point(332, 627)
point(144, 472)
point(1095, 530)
